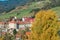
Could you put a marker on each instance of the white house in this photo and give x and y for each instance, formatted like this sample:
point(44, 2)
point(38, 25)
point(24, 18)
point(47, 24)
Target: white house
point(21, 25)
point(1, 24)
point(27, 22)
point(12, 25)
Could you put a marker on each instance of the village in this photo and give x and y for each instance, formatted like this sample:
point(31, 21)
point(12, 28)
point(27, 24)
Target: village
point(29, 19)
point(17, 24)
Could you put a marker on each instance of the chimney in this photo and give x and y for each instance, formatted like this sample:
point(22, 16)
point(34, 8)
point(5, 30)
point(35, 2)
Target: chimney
point(15, 17)
point(23, 19)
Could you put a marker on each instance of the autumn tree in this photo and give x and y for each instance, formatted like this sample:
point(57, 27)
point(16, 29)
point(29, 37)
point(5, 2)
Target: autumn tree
point(45, 26)
point(1, 38)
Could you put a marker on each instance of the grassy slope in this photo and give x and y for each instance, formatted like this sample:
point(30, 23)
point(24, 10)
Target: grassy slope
point(57, 10)
point(22, 13)
point(26, 12)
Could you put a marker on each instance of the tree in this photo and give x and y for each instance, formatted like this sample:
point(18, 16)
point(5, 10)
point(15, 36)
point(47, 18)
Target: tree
point(45, 26)
point(14, 31)
point(1, 38)
point(8, 36)
point(27, 29)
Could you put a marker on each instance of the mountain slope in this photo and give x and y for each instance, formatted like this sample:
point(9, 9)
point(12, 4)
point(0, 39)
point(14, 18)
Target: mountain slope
point(57, 10)
point(11, 4)
point(27, 10)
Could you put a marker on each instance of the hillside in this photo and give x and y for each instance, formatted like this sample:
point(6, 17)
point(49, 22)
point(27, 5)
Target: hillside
point(28, 10)
point(57, 10)
point(19, 12)
point(6, 6)
point(24, 10)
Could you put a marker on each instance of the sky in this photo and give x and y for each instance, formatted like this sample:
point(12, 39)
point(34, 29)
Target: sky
point(3, 0)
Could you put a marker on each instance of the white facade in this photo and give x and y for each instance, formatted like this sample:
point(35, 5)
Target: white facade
point(21, 26)
point(24, 25)
point(1, 25)
point(28, 25)
point(12, 25)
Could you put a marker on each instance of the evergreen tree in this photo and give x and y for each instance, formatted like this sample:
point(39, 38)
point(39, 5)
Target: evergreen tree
point(14, 31)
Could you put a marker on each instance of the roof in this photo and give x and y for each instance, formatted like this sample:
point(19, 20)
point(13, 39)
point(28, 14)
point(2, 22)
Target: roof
point(20, 22)
point(28, 33)
point(27, 21)
point(1, 22)
point(12, 21)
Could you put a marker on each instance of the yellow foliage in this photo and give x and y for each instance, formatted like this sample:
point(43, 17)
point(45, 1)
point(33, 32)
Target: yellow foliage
point(45, 26)
point(1, 38)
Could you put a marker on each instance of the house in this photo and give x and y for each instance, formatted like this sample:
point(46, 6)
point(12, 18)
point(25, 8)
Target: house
point(1, 24)
point(28, 34)
point(12, 24)
point(20, 24)
point(26, 22)
point(3, 29)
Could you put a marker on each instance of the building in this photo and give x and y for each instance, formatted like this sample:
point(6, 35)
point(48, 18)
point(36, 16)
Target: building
point(1, 24)
point(26, 22)
point(2, 28)
point(12, 24)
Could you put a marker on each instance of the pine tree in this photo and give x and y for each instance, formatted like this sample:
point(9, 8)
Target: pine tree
point(14, 32)
point(45, 26)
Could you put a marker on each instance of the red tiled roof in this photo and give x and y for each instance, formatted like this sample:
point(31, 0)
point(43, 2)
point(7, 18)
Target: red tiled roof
point(12, 22)
point(31, 20)
point(20, 22)
point(27, 20)
point(28, 33)
point(1, 22)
